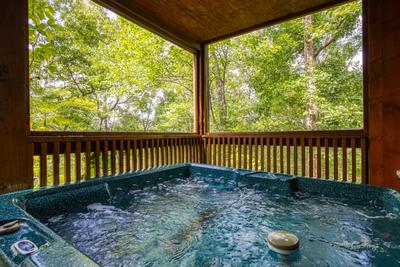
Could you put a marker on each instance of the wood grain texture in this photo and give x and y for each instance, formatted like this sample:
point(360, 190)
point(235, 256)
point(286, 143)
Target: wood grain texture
point(191, 23)
point(383, 79)
point(14, 96)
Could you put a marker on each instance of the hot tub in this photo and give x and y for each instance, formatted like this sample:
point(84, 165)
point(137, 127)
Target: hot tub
point(200, 215)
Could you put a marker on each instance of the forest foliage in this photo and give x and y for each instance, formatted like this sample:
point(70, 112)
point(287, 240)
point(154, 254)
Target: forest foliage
point(91, 70)
point(94, 71)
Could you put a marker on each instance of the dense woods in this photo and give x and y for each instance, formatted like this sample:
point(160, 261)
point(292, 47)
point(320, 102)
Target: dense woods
point(91, 70)
point(301, 74)
point(94, 71)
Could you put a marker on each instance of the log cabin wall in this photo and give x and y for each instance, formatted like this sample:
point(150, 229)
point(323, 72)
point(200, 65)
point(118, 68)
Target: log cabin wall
point(383, 39)
point(13, 96)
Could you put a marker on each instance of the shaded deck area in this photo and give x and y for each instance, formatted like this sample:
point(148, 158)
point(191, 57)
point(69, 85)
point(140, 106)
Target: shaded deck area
point(369, 155)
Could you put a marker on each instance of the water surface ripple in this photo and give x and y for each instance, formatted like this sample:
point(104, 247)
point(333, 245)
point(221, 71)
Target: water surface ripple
point(202, 221)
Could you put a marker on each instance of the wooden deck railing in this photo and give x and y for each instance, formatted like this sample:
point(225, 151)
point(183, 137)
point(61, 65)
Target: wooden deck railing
point(337, 155)
point(66, 157)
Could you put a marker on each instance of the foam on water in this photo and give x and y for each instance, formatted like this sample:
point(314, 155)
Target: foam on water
point(209, 222)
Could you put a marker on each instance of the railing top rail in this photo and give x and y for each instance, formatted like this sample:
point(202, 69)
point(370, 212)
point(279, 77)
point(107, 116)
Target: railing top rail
point(36, 136)
point(299, 134)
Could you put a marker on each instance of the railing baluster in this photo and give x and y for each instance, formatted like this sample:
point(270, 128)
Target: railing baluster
point(87, 159)
point(319, 157)
point(303, 156)
point(78, 161)
point(200, 147)
point(208, 150)
point(113, 157)
point(326, 143)
point(268, 154)
point(256, 153)
point(262, 154)
point(140, 159)
point(152, 153)
point(295, 157)
point(235, 141)
point(43, 164)
point(250, 144)
point(170, 152)
point(128, 155)
point(214, 151)
point(274, 155)
point(206, 140)
point(97, 159)
point(245, 153)
point(335, 159)
point(121, 156)
point(223, 152)
point(157, 152)
point(353, 161)
point(174, 145)
point(196, 150)
point(67, 162)
point(281, 166)
point(190, 155)
point(105, 158)
point(288, 170)
point(344, 159)
point(181, 151)
point(310, 158)
point(146, 153)
point(218, 151)
point(134, 155)
point(56, 163)
point(229, 152)
point(163, 154)
point(239, 153)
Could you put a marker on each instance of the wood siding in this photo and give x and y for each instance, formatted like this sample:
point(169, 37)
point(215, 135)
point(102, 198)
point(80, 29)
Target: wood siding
point(13, 96)
point(383, 80)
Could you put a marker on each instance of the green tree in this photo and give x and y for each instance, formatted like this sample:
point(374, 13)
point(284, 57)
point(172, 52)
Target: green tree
point(301, 74)
point(94, 71)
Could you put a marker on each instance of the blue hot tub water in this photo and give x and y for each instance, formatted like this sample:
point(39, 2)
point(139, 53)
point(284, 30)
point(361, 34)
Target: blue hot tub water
point(217, 217)
point(204, 221)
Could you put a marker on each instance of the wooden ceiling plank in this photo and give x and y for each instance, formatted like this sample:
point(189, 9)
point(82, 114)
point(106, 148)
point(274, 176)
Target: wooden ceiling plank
point(192, 23)
point(151, 23)
point(287, 17)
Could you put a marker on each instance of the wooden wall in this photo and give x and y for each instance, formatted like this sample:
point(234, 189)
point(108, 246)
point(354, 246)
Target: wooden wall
point(383, 45)
point(13, 96)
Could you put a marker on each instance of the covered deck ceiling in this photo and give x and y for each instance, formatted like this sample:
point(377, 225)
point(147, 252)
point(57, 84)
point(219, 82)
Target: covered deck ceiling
point(192, 23)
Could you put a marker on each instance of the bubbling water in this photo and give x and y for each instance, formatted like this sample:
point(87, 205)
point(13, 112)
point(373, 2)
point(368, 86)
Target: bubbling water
point(202, 221)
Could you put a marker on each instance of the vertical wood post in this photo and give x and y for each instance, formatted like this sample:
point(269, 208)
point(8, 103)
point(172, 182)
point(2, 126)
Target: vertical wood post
point(201, 90)
point(383, 83)
point(200, 80)
point(14, 96)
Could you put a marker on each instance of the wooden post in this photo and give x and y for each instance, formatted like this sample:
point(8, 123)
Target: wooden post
point(201, 90)
point(14, 104)
point(200, 81)
point(382, 57)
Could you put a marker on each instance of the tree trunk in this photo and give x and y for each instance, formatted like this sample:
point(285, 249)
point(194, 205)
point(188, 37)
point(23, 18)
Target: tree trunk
point(222, 100)
point(309, 67)
point(311, 116)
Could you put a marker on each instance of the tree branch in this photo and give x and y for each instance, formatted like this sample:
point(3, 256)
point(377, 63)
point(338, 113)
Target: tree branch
point(328, 41)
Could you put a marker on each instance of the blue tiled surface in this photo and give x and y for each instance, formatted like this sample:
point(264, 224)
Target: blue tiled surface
point(54, 251)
